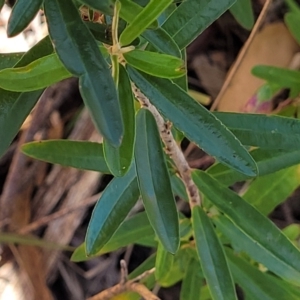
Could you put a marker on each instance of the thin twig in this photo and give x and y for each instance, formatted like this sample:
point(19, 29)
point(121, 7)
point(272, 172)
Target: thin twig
point(242, 54)
point(45, 220)
point(127, 285)
point(171, 148)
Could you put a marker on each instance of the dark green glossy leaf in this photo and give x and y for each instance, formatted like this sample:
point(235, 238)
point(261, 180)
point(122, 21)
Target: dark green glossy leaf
point(286, 78)
point(14, 238)
point(105, 6)
point(267, 192)
point(157, 64)
point(192, 281)
point(119, 159)
point(212, 257)
point(257, 228)
point(110, 211)
point(268, 132)
point(130, 231)
point(154, 182)
point(15, 107)
point(76, 154)
point(39, 74)
point(8, 60)
point(240, 241)
point(78, 51)
point(243, 13)
point(162, 41)
point(195, 121)
point(163, 263)
point(268, 161)
point(22, 14)
point(149, 14)
point(192, 17)
point(254, 283)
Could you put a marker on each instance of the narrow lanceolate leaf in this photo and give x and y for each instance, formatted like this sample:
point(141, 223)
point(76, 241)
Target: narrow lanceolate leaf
point(156, 64)
point(268, 162)
point(78, 51)
point(130, 9)
point(154, 182)
point(129, 232)
point(280, 76)
point(196, 122)
point(240, 241)
point(192, 17)
point(39, 74)
point(254, 283)
point(15, 107)
point(267, 192)
point(163, 263)
point(119, 158)
point(258, 228)
point(76, 154)
point(22, 14)
point(212, 257)
point(14, 238)
point(192, 281)
point(243, 13)
point(104, 6)
point(291, 19)
point(268, 132)
point(162, 41)
point(149, 14)
point(110, 211)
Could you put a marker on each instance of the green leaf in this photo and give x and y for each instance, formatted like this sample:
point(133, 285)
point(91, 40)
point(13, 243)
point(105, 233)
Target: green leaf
point(292, 21)
point(156, 64)
point(15, 107)
point(14, 238)
point(195, 121)
point(268, 162)
point(192, 281)
point(39, 74)
point(268, 132)
point(8, 60)
point(163, 263)
point(254, 283)
point(212, 257)
point(179, 187)
point(243, 13)
point(292, 231)
point(266, 192)
point(259, 230)
point(130, 9)
point(149, 14)
point(192, 17)
point(119, 159)
point(162, 41)
point(154, 182)
point(286, 78)
point(22, 14)
point(182, 81)
point(76, 154)
point(129, 232)
point(2, 2)
point(110, 211)
point(78, 51)
point(105, 6)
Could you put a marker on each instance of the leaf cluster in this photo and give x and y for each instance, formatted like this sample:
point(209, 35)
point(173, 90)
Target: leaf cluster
point(229, 237)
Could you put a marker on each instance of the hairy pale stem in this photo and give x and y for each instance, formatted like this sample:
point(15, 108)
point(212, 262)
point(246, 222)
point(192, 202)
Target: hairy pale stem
point(171, 148)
